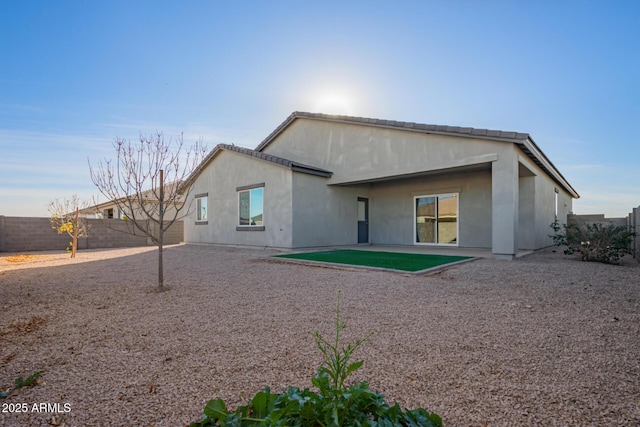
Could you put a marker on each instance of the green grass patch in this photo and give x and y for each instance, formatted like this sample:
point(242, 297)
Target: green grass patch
point(391, 260)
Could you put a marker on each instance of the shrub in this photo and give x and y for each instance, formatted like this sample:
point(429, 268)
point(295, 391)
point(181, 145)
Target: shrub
point(20, 384)
point(335, 405)
point(594, 242)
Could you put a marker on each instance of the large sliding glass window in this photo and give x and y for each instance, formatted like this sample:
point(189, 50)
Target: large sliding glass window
point(436, 219)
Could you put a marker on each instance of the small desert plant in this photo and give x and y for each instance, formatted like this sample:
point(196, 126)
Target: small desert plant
point(594, 242)
point(20, 383)
point(335, 405)
point(336, 364)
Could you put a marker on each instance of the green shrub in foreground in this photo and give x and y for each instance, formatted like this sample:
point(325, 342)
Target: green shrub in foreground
point(335, 405)
point(594, 242)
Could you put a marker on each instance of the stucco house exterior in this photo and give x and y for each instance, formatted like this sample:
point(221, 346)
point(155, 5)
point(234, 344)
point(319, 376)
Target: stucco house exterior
point(326, 180)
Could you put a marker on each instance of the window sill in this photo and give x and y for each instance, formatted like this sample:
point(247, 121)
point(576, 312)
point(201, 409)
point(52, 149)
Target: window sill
point(249, 228)
point(202, 222)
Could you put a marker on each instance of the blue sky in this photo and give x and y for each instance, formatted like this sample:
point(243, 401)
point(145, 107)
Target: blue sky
point(74, 75)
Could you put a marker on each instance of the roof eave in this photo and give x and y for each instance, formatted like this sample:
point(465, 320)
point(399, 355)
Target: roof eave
point(466, 132)
point(277, 131)
point(311, 171)
point(288, 164)
point(198, 170)
point(539, 158)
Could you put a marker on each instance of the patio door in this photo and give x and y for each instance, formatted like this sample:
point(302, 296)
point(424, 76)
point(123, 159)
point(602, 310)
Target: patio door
point(363, 220)
point(436, 219)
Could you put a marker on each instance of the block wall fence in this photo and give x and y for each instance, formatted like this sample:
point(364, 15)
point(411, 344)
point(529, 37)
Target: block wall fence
point(23, 234)
point(634, 221)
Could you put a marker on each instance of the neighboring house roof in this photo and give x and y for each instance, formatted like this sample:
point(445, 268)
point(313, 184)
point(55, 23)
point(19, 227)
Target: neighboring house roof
point(523, 140)
point(147, 195)
point(280, 161)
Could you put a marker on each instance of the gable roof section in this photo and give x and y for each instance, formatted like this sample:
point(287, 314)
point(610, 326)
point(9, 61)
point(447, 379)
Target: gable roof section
point(522, 140)
point(147, 195)
point(280, 161)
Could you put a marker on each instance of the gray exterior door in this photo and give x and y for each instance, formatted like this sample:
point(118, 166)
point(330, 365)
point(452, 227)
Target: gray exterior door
point(363, 220)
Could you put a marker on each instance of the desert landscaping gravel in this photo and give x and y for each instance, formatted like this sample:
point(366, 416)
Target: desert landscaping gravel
point(543, 340)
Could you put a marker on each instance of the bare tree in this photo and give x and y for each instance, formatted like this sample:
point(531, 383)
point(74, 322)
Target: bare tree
point(65, 218)
point(146, 184)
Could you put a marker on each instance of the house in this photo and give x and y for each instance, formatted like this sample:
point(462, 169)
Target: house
point(124, 208)
point(326, 180)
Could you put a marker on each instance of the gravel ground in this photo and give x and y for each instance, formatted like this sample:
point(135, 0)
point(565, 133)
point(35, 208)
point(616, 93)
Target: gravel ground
point(543, 340)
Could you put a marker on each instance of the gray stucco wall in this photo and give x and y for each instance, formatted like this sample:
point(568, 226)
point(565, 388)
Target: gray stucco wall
point(220, 180)
point(327, 215)
point(359, 153)
point(324, 215)
point(526, 211)
point(539, 215)
point(354, 152)
point(392, 207)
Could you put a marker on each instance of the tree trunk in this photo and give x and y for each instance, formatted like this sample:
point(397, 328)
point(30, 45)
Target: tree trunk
point(161, 233)
point(74, 243)
point(160, 269)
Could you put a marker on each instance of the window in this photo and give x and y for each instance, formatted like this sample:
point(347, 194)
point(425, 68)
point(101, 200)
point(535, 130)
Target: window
point(556, 203)
point(201, 207)
point(436, 219)
point(250, 207)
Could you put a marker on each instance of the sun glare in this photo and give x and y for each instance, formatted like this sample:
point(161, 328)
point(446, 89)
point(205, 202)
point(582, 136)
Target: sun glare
point(334, 103)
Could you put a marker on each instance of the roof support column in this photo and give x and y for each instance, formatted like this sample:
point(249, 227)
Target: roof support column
point(504, 195)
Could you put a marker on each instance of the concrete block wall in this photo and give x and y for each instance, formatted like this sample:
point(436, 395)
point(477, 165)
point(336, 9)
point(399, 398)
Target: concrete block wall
point(634, 222)
point(595, 219)
point(21, 234)
point(175, 234)
point(30, 234)
point(110, 233)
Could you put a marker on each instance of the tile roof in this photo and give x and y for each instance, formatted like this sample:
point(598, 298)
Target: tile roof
point(455, 130)
point(150, 195)
point(294, 166)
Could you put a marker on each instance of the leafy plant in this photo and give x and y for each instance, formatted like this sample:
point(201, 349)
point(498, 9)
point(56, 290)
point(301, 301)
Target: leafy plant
point(30, 381)
point(594, 242)
point(335, 405)
point(20, 383)
point(336, 365)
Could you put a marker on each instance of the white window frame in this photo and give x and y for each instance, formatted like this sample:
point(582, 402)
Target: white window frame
point(200, 198)
point(249, 189)
point(415, 220)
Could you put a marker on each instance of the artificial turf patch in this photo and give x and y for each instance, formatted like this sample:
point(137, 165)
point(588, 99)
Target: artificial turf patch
point(391, 260)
